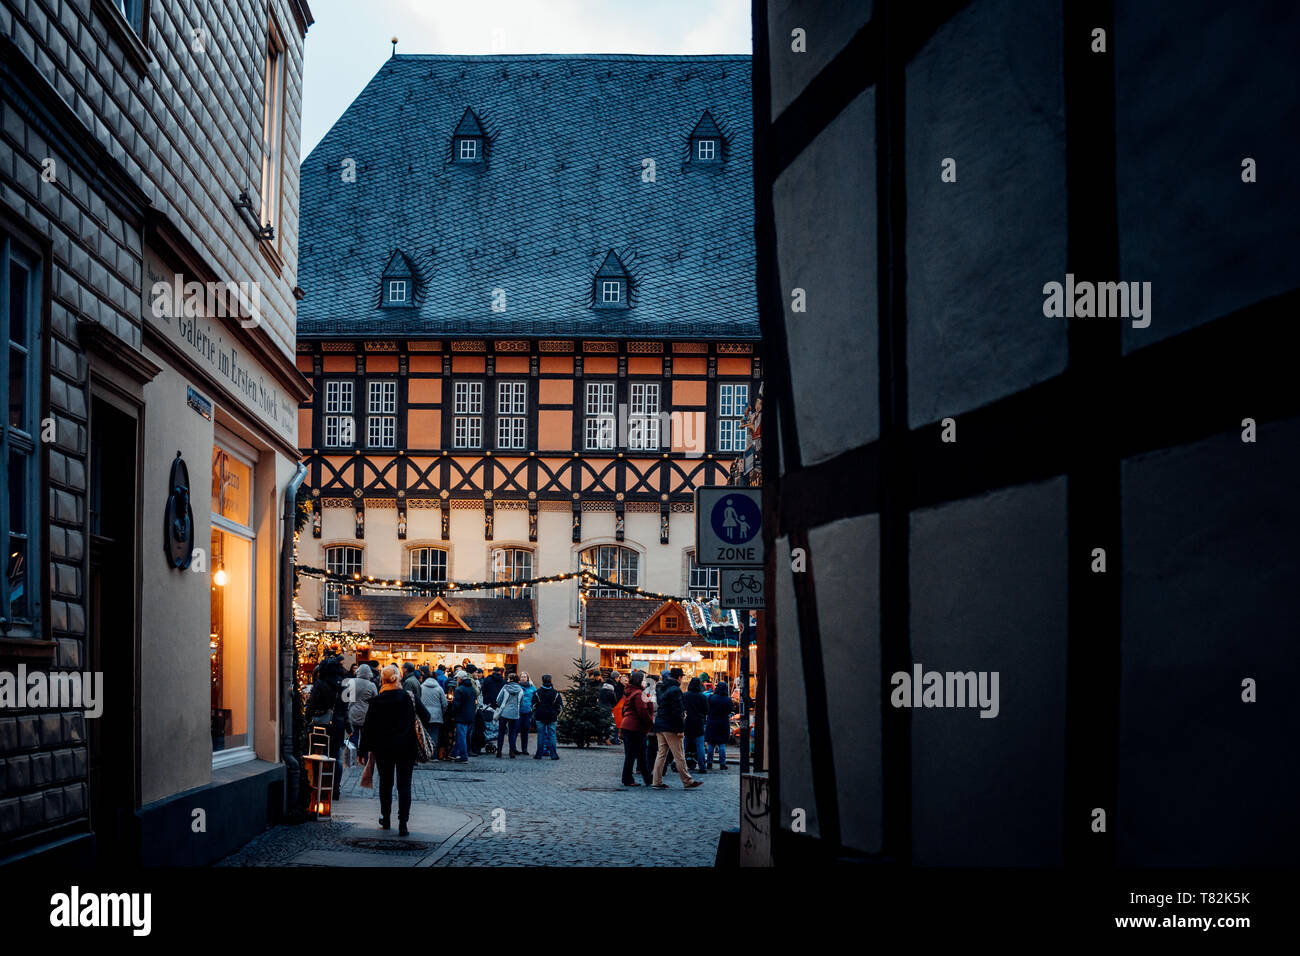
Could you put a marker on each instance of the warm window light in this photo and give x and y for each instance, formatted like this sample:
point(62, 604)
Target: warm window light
point(219, 578)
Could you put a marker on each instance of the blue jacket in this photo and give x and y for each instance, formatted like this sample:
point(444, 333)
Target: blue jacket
point(527, 706)
point(441, 678)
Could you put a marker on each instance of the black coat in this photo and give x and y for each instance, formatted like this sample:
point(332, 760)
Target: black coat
point(546, 704)
point(670, 712)
point(697, 709)
point(389, 730)
point(491, 687)
point(464, 703)
point(718, 728)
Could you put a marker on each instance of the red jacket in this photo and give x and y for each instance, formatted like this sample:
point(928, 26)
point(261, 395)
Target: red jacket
point(636, 712)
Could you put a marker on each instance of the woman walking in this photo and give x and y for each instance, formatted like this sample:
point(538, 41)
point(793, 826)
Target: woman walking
point(389, 734)
point(717, 730)
point(636, 722)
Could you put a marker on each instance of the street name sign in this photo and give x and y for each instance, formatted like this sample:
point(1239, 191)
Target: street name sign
point(728, 526)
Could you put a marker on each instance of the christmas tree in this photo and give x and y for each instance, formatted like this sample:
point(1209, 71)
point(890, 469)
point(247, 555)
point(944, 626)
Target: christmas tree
point(584, 719)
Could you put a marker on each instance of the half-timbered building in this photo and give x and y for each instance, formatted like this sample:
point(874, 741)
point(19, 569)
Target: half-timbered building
point(530, 327)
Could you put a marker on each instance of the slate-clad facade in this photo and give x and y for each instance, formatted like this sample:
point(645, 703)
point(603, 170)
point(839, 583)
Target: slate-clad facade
point(144, 145)
point(1102, 511)
point(529, 321)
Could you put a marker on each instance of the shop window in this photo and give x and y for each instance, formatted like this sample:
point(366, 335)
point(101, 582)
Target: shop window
point(231, 642)
point(20, 498)
point(340, 560)
point(512, 564)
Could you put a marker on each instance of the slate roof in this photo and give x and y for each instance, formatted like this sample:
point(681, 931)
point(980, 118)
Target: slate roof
point(615, 620)
point(561, 186)
point(490, 620)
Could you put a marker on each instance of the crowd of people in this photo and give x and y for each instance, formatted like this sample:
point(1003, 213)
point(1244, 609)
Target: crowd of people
point(372, 713)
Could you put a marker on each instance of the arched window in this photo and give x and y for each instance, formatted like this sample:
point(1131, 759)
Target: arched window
point(617, 564)
point(428, 566)
point(511, 564)
point(341, 560)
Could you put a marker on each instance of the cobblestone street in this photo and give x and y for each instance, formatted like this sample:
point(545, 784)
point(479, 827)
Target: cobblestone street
point(566, 812)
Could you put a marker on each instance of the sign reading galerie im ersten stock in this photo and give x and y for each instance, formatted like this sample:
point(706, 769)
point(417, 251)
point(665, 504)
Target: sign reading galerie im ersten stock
point(187, 314)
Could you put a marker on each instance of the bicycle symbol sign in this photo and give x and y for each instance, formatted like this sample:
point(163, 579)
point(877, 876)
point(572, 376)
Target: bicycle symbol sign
point(741, 588)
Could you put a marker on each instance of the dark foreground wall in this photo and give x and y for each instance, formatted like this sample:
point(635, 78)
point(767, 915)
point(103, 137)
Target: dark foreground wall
point(1103, 511)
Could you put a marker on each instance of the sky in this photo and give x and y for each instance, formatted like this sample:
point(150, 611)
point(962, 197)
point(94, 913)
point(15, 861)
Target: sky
point(351, 38)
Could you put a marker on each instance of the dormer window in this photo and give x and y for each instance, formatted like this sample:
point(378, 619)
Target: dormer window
point(706, 141)
point(397, 283)
point(468, 140)
point(612, 284)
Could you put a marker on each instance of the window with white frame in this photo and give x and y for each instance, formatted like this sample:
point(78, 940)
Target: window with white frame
point(611, 290)
point(428, 566)
point(273, 130)
point(643, 416)
point(512, 564)
point(512, 414)
point(397, 292)
point(706, 150)
point(340, 560)
point(614, 563)
point(20, 493)
point(467, 423)
point(702, 582)
point(600, 416)
point(732, 401)
point(339, 423)
point(381, 426)
point(467, 150)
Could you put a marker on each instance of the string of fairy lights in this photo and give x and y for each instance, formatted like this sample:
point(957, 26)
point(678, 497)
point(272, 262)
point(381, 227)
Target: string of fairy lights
point(586, 580)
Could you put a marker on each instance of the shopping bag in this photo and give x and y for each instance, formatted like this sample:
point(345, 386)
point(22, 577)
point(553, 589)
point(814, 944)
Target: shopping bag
point(368, 775)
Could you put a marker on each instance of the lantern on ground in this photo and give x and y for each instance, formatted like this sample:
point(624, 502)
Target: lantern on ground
point(322, 789)
point(322, 769)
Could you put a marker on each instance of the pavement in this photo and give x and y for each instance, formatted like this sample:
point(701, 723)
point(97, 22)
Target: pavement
point(522, 812)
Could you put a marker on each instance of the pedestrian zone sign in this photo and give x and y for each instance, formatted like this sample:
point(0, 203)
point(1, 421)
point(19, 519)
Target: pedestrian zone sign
point(729, 526)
